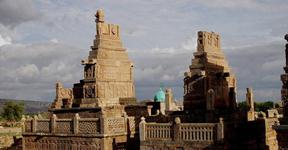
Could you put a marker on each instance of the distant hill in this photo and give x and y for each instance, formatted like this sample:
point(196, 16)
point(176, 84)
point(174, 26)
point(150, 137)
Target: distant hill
point(30, 106)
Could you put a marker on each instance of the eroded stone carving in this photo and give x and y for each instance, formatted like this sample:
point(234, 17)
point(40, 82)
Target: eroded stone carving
point(64, 97)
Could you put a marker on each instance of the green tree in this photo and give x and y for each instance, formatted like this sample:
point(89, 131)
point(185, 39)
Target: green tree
point(264, 106)
point(243, 105)
point(13, 111)
point(258, 106)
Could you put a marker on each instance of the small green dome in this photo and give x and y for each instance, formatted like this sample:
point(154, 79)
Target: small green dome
point(159, 96)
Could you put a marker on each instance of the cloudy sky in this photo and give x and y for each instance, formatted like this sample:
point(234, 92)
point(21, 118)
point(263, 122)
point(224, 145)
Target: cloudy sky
point(43, 41)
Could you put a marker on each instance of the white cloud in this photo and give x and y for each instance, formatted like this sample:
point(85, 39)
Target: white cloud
point(167, 77)
point(30, 71)
point(5, 40)
point(54, 40)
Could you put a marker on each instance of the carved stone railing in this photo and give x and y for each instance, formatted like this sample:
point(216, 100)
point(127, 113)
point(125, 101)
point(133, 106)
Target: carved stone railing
point(158, 131)
point(189, 132)
point(43, 125)
point(103, 126)
point(54, 125)
point(197, 132)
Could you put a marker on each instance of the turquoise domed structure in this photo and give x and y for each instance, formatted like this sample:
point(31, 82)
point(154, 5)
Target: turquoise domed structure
point(159, 96)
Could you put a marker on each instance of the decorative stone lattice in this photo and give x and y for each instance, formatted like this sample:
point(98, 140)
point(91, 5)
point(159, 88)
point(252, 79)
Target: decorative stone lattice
point(64, 126)
point(116, 125)
point(88, 127)
point(43, 126)
point(131, 123)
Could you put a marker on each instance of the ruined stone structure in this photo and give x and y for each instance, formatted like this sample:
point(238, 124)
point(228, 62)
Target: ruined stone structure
point(95, 113)
point(211, 119)
point(282, 129)
point(64, 97)
point(209, 74)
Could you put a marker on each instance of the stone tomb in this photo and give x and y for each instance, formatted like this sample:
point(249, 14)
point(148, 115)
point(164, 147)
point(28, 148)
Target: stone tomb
point(209, 83)
point(90, 115)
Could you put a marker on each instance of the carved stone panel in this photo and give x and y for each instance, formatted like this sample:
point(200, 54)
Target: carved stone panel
point(89, 91)
point(89, 71)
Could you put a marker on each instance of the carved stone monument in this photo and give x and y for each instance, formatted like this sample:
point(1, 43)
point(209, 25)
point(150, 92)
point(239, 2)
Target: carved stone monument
point(108, 72)
point(90, 116)
point(209, 71)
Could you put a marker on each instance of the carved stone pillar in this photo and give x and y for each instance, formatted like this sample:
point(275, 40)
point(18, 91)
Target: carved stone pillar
point(220, 130)
point(34, 124)
point(142, 129)
point(76, 123)
point(53, 123)
point(177, 129)
point(23, 119)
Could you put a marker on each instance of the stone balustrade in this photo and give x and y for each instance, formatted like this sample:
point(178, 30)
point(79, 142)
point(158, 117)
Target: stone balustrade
point(156, 131)
point(197, 131)
point(190, 132)
point(54, 125)
point(81, 126)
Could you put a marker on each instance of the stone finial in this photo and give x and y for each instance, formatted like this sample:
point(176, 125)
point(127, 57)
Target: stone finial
point(59, 84)
point(142, 119)
point(177, 120)
point(158, 112)
point(54, 116)
point(221, 120)
point(286, 37)
point(77, 116)
point(99, 15)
